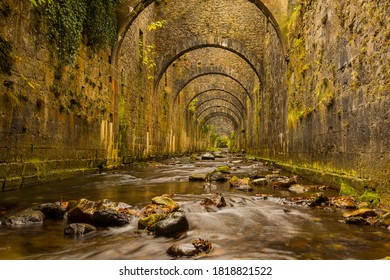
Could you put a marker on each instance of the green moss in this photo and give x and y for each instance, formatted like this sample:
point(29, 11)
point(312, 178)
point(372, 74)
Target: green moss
point(224, 169)
point(370, 197)
point(346, 189)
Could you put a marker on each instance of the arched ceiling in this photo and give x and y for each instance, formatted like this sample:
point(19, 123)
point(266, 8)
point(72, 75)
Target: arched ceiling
point(210, 51)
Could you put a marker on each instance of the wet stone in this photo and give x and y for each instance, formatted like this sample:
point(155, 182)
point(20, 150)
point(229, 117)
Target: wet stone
point(363, 212)
point(78, 229)
point(52, 210)
point(173, 224)
point(26, 217)
point(208, 156)
point(260, 182)
point(196, 248)
point(197, 177)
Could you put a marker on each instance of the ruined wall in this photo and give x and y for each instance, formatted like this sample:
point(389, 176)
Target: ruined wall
point(55, 119)
point(338, 90)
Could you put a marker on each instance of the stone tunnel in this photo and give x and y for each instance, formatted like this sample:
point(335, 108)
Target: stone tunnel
point(303, 84)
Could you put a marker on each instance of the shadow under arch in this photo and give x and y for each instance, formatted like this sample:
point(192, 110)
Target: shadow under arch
point(225, 101)
point(239, 119)
point(212, 73)
point(216, 90)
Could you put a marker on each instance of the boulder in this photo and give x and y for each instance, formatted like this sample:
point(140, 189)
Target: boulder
point(166, 202)
point(240, 184)
point(83, 211)
point(197, 247)
point(109, 218)
point(216, 199)
point(223, 169)
point(348, 202)
point(209, 187)
point(55, 210)
point(284, 183)
point(357, 221)
point(217, 176)
point(208, 156)
point(171, 225)
point(260, 182)
point(78, 229)
point(25, 218)
point(363, 212)
point(103, 213)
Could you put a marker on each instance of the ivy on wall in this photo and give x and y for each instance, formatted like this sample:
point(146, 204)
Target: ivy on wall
point(68, 21)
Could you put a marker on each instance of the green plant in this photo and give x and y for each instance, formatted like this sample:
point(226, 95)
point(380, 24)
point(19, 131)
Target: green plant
point(37, 3)
point(370, 197)
point(192, 105)
point(346, 189)
point(147, 53)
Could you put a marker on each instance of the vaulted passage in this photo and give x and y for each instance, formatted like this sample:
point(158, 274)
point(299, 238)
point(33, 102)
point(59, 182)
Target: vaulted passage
point(89, 85)
point(203, 71)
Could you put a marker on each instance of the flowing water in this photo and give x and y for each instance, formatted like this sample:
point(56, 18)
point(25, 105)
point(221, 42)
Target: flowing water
point(248, 228)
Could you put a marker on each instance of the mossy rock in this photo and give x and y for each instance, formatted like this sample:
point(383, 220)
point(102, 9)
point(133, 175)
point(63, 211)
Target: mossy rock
point(348, 190)
point(370, 197)
point(223, 169)
point(167, 202)
point(149, 221)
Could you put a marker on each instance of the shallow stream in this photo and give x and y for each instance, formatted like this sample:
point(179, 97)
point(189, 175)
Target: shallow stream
point(248, 228)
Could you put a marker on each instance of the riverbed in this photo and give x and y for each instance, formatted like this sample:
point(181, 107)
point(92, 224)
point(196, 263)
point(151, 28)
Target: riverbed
point(253, 225)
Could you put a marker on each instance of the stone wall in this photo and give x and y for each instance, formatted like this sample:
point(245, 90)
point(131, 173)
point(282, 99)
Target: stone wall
point(55, 120)
point(338, 89)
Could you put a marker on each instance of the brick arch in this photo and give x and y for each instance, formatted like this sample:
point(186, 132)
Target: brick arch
point(218, 90)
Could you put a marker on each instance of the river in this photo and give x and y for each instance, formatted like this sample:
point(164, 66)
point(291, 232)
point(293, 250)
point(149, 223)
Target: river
point(249, 227)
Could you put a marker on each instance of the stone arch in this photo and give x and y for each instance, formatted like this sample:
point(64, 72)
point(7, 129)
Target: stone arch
point(206, 102)
point(221, 114)
point(222, 109)
point(213, 73)
point(219, 90)
point(134, 10)
point(195, 44)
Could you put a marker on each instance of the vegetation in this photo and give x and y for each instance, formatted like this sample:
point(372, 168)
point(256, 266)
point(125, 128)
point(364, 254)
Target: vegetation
point(68, 21)
point(147, 52)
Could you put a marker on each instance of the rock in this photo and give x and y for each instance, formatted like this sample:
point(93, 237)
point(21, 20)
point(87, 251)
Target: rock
point(173, 224)
point(78, 229)
point(348, 202)
point(216, 199)
point(260, 182)
point(383, 220)
point(363, 212)
point(109, 218)
point(298, 188)
point(357, 221)
point(162, 217)
point(209, 187)
point(103, 213)
point(166, 202)
point(197, 247)
point(208, 156)
point(149, 221)
point(83, 211)
point(198, 177)
point(196, 157)
point(182, 250)
point(286, 183)
point(216, 176)
point(53, 210)
point(223, 169)
point(314, 200)
point(240, 184)
point(26, 217)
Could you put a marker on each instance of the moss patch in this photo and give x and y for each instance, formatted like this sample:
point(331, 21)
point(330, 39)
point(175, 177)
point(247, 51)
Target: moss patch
point(346, 189)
